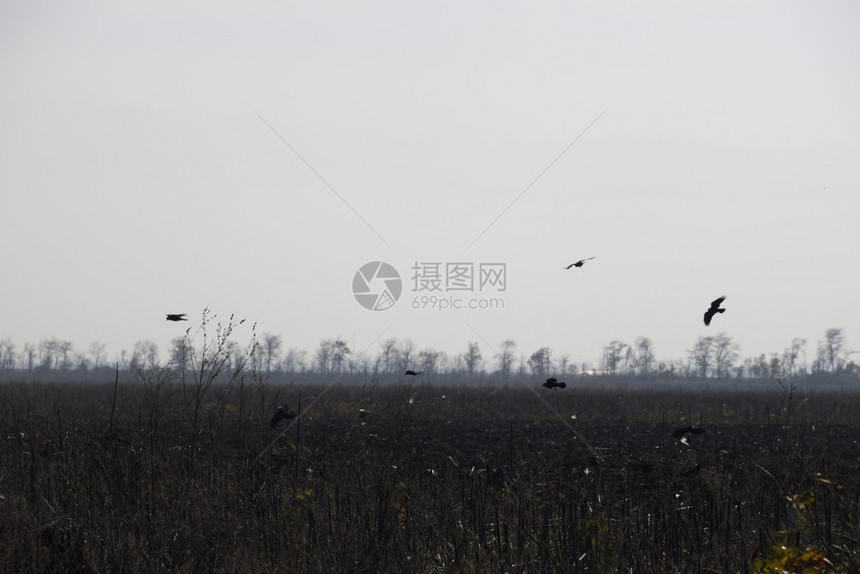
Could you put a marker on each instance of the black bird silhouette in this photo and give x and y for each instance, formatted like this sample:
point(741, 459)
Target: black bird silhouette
point(714, 309)
point(412, 373)
point(579, 263)
point(283, 413)
point(176, 317)
point(552, 383)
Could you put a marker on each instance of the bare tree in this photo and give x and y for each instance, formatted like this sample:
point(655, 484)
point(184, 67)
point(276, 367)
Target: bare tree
point(457, 365)
point(776, 370)
point(339, 355)
point(792, 354)
point(123, 361)
point(331, 355)
point(54, 352)
point(540, 362)
point(238, 354)
point(271, 347)
point(644, 361)
point(407, 347)
point(144, 354)
point(832, 353)
point(79, 361)
point(472, 358)
point(323, 356)
point(30, 354)
point(506, 357)
point(563, 364)
point(179, 356)
point(757, 367)
point(701, 355)
point(628, 365)
point(48, 353)
point(360, 364)
point(726, 352)
point(443, 362)
point(521, 369)
point(613, 356)
point(389, 355)
point(428, 360)
point(151, 354)
point(98, 353)
point(64, 350)
point(7, 354)
point(295, 361)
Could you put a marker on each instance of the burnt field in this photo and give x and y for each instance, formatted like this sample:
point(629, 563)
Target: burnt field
point(158, 476)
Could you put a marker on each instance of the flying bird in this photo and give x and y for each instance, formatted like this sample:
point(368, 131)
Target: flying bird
point(412, 373)
point(283, 413)
point(552, 383)
point(714, 309)
point(579, 263)
point(176, 317)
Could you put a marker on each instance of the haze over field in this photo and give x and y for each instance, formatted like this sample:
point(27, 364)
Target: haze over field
point(162, 158)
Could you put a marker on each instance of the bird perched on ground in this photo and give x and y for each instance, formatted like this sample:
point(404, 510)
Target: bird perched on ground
point(579, 263)
point(176, 317)
point(412, 373)
point(552, 383)
point(714, 309)
point(283, 413)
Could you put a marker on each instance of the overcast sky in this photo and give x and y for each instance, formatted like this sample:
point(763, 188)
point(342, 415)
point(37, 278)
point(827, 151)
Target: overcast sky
point(172, 156)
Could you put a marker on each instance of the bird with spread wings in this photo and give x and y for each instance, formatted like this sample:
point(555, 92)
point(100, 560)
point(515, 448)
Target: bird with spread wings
point(580, 263)
point(714, 309)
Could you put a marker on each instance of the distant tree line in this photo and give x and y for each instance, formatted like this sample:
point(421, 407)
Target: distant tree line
point(710, 357)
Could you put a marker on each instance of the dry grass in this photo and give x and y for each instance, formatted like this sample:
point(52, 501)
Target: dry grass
point(430, 479)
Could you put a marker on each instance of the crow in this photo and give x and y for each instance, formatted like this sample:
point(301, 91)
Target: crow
point(176, 317)
point(552, 383)
point(714, 309)
point(412, 373)
point(579, 263)
point(283, 413)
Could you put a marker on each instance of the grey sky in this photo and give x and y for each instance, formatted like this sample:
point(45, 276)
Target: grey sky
point(136, 178)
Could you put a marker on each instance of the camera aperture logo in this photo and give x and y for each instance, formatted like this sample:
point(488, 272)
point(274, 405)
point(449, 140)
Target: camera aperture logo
point(436, 285)
point(377, 286)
